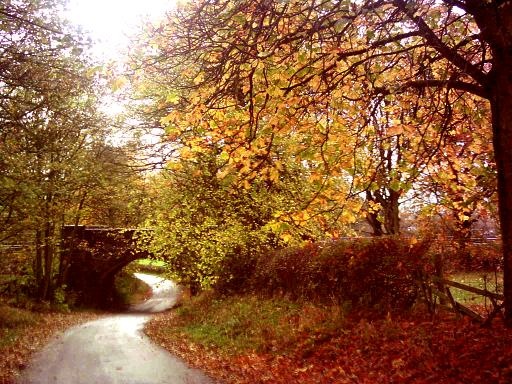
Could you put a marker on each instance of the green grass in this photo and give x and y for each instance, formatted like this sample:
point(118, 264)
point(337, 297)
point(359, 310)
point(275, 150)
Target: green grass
point(481, 280)
point(155, 267)
point(152, 263)
point(12, 322)
point(244, 323)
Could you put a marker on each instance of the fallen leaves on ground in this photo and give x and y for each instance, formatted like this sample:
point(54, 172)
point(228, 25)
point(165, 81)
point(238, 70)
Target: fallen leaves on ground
point(399, 350)
point(32, 337)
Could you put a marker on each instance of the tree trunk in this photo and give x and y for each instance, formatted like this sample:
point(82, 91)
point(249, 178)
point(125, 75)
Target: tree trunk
point(80, 208)
point(372, 217)
point(38, 262)
point(392, 212)
point(48, 262)
point(389, 203)
point(495, 22)
point(462, 235)
point(501, 105)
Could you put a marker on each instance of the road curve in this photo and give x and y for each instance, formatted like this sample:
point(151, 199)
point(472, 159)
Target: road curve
point(107, 351)
point(164, 294)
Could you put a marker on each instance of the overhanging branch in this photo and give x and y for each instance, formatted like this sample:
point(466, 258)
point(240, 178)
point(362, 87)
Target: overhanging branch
point(434, 83)
point(435, 42)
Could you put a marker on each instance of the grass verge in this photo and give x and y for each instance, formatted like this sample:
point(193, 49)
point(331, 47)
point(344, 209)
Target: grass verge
point(151, 262)
point(13, 321)
point(130, 290)
point(157, 267)
point(250, 339)
point(251, 323)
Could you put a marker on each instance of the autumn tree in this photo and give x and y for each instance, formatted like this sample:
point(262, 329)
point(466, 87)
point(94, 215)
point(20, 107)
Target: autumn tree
point(112, 189)
point(259, 65)
point(461, 178)
point(393, 152)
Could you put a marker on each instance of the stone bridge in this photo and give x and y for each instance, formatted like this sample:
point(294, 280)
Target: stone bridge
point(92, 256)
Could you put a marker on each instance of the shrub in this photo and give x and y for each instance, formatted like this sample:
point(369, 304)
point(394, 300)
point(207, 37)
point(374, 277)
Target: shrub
point(380, 272)
point(291, 271)
point(14, 317)
point(476, 254)
point(236, 269)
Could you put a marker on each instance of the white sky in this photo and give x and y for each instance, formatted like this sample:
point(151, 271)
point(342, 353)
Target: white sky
point(111, 22)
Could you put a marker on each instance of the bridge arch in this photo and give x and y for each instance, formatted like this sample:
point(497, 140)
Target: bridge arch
point(92, 256)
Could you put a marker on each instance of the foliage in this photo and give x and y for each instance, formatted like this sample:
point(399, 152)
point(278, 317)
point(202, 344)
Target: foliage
point(275, 84)
point(16, 280)
point(365, 94)
point(154, 267)
point(14, 317)
point(478, 254)
point(381, 273)
point(209, 232)
point(56, 164)
point(50, 129)
point(114, 193)
point(12, 321)
point(46, 110)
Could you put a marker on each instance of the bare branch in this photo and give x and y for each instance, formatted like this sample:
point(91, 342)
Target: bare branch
point(435, 83)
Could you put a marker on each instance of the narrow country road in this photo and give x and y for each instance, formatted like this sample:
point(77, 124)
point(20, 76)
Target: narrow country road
point(114, 350)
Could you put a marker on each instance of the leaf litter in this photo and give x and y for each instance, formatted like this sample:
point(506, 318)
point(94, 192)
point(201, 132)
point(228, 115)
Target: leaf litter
point(405, 349)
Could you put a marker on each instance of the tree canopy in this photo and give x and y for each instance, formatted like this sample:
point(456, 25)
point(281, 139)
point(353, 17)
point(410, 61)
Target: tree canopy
point(372, 98)
point(53, 137)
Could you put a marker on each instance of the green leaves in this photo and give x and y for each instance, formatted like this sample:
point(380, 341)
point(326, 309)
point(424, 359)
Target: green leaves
point(172, 98)
point(201, 224)
point(55, 165)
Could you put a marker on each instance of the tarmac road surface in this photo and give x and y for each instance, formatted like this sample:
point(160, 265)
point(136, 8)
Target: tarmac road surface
point(113, 350)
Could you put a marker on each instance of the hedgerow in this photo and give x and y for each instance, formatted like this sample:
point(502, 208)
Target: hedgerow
point(381, 272)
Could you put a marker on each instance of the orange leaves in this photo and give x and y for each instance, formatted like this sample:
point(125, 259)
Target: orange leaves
point(397, 129)
point(199, 78)
point(331, 107)
point(301, 218)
